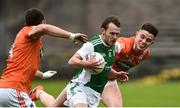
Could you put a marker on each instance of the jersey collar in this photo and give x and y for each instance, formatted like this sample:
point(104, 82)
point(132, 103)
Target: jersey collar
point(103, 41)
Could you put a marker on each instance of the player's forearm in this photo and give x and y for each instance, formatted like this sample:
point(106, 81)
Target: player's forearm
point(113, 73)
point(56, 31)
point(49, 29)
point(76, 63)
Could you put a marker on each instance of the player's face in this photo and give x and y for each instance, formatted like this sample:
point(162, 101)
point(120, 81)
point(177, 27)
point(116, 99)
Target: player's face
point(111, 34)
point(143, 40)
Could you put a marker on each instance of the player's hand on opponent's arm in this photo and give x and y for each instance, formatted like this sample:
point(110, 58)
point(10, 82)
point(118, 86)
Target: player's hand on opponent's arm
point(78, 36)
point(121, 76)
point(45, 75)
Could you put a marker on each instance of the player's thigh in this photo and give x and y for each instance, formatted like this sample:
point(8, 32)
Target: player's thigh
point(4, 98)
point(78, 94)
point(75, 95)
point(78, 100)
point(111, 95)
point(85, 96)
point(14, 98)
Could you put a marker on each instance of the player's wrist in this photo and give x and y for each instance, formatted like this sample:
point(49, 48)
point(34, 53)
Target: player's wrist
point(72, 37)
point(43, 76)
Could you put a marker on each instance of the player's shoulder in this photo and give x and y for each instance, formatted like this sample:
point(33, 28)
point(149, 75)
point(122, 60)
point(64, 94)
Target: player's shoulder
point(128, 43)
point(27, 28)
point(125, 39)
point(88, 45)
point(95, 37)
point(96, 40)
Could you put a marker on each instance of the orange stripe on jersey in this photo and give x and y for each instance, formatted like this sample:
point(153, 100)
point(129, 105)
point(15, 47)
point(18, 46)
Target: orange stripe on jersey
point(21, 99)
point(22, 63)
point(127, 59)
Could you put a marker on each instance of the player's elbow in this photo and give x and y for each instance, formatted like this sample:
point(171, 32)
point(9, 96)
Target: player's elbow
point(42, 28)
point(37, 31)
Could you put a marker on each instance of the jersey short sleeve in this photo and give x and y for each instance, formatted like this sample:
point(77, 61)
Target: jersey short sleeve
point(85, 49)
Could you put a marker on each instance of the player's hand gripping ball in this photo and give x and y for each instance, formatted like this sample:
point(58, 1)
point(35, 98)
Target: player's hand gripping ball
point(98, 57)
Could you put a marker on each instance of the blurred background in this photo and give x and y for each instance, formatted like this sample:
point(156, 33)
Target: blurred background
point(85, 16)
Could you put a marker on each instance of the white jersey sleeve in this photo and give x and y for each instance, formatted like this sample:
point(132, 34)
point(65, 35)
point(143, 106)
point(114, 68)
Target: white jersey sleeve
point(85, 49)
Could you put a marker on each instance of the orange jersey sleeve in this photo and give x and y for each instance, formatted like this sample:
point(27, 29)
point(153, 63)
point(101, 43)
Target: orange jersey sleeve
point(22, 63)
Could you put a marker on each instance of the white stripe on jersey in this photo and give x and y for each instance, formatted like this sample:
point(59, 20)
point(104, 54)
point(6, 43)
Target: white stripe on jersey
point(96, 40)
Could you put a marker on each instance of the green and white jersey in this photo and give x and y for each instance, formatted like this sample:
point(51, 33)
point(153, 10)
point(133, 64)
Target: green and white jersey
point(97, 81)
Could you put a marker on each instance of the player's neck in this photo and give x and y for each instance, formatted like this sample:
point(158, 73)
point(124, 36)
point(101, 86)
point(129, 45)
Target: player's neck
point(136, 51)
point(104, 41)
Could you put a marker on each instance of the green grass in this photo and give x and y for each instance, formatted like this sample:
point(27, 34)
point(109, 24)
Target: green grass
point(135, 94)
point(165, 94)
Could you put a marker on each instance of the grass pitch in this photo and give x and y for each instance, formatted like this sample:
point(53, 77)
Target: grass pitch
point(135, 94)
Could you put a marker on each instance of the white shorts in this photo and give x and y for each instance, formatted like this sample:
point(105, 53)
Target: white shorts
point(111, 82)
point(78, 93)
point(14, 98)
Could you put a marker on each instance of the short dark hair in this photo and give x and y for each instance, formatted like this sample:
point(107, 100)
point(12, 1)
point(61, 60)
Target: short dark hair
point(34, 16)
point(110, 19)
point(150, 28)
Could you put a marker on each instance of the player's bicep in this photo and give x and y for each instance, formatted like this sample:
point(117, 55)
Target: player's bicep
point(85, 49)
point(36, 32)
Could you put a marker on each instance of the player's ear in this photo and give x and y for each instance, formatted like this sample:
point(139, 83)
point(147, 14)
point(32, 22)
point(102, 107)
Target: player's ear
point(153, 42)
point(137, 32)
point(102, 30)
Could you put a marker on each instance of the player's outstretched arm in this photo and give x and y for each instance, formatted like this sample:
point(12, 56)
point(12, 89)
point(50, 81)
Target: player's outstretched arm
point(55, 31)
point(45, 75)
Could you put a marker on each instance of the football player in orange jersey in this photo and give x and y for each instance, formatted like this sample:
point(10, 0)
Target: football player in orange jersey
point(24, 59)
point(129, 52)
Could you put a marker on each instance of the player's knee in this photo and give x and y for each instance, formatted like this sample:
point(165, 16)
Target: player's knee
point(115, 104)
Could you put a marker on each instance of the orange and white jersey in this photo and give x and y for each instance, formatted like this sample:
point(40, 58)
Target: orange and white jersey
point(125, 57)
point(22, 63)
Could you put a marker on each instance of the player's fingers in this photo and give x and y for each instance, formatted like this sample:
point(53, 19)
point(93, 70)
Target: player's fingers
point(123, 77)
point(127, 78)
point(53, 72)
point(80, 34)
point(92, 57)
point(124, 73)
point(123, 81)
point(83, 40)
point(100, 61)
point(81, 37)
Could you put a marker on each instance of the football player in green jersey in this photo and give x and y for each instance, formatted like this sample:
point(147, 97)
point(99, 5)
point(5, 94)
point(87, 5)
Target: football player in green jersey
point(85, 89)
